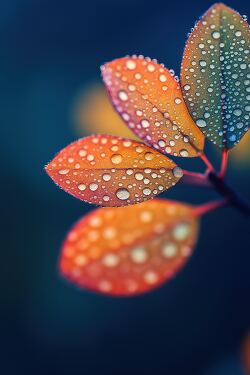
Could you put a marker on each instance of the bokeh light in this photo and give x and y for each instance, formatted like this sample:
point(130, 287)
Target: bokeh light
point(93, 113)
point(246, 354)
point(240, 154)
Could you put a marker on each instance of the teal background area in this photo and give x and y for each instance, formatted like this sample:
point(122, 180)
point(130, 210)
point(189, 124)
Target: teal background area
point(193, 325)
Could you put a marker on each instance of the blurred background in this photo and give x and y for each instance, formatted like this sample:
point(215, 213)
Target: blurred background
point(52, 94)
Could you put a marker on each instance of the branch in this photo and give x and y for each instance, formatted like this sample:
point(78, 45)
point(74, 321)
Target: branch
point(229, 194)
point(224, 160)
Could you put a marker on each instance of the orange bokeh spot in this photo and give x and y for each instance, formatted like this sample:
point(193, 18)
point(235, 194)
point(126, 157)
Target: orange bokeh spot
point(246, 354)
point(94, 113)
point(240, 154)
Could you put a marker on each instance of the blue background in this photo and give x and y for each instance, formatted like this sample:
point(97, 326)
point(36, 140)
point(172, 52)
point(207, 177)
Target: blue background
point(194, 324)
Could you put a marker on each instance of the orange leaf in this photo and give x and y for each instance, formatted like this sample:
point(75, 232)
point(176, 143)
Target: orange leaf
point(129, 250)
point(112, 171)
point(149, 99)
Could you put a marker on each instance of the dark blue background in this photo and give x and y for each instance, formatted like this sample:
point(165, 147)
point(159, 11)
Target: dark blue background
point(194, 324)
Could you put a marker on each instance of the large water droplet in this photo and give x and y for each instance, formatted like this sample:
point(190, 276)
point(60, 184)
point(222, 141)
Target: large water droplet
point(116, 159)
point(123, 96)
point(177, 172)
point(122, 194)
point(131, 65)
point(216, 34)
point(203, 63)
point(201, 123)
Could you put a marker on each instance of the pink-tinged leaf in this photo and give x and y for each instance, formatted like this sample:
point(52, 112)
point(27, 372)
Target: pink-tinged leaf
point(112, 171)
point(129, 250)
point(149, 99)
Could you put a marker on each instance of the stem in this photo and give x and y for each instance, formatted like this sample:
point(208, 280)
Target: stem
point(224, 160)
point(228, 193)
point(207, 162)
point(194, 178)
point(210, 206)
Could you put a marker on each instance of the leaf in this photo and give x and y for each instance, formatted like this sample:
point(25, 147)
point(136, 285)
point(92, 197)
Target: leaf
point(112, 171)
point(215, 75)
point(149, 99)
point(129, 250)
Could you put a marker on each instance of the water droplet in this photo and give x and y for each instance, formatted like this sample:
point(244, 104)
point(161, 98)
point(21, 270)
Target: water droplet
point(237, 112)
point(145, 123)
point(177, 172)
point(163, 78)
point(181, 231)
point(139, 176)
point(232, 138)
point(203, 63)
point(139, 149)
point(161, 143)
point(169, 250)
point(110, 260)
point(216, 34)
point(151, 68)
point(201, 123)
point(93, 187)
point(151, 277)
point(139, 255)
point(81, 187)
point(184, 153)
point(149, 156)
point(106, 177)
point(131, 65)
point(116, 159)
point(122, 194)
point(123, 95)
point(106, 198)
point(146, 191)
point(64, 171)
point(177, 100)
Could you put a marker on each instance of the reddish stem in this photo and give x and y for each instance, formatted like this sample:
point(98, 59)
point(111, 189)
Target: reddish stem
point(210, 206)
point(224, 160)
point(207, 162)
point(194, 178)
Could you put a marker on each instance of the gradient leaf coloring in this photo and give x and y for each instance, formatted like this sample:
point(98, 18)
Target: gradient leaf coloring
point(149, 99)
point(129, 250)
point(215, 75)
point(112, 171)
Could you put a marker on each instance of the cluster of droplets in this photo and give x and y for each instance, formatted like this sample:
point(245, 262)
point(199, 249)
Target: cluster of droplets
point(149, 99)
point(130, 251)
point(112, 171)
point(216, 76)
